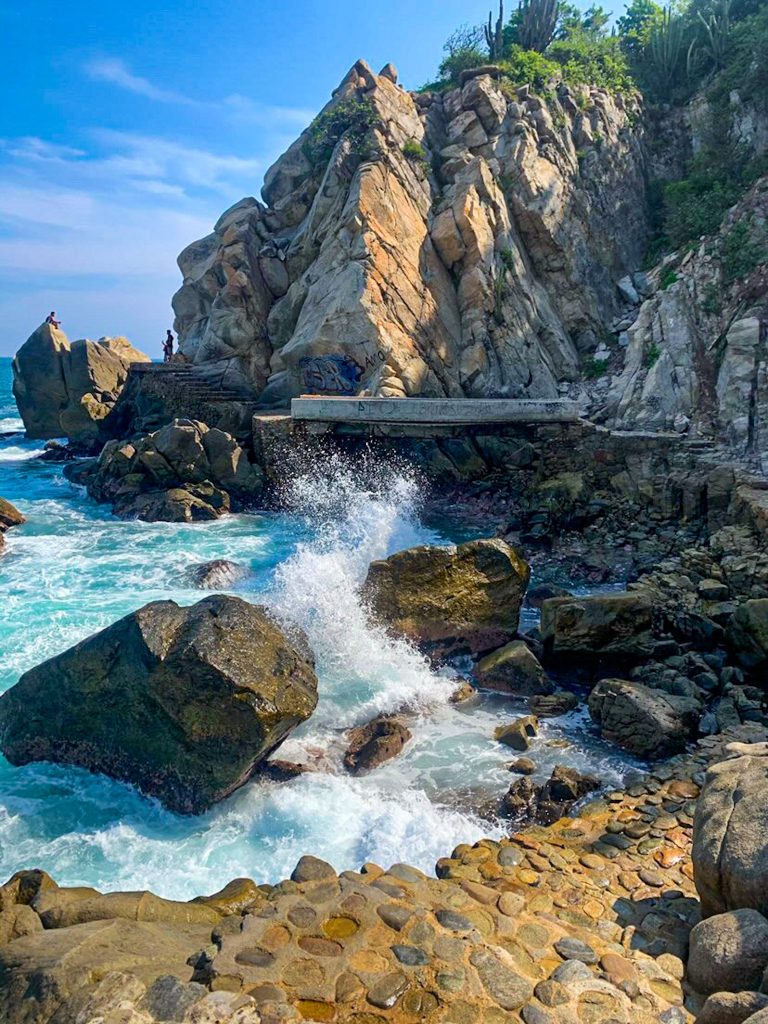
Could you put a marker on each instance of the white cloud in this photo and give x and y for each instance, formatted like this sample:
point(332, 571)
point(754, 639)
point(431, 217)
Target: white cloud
point(117, 72)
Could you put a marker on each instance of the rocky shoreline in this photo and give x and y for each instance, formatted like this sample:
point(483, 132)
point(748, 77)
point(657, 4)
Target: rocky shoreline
point(588, 919)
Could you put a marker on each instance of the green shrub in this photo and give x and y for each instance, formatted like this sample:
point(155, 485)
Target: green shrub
point(742, 250)
point(507, 258)
point(586, 60)
point(668, 277)
point(594, 368)
point(413, 150)
point(712, 300)
point(652, 355)
point(352, 119)
point(527, 67)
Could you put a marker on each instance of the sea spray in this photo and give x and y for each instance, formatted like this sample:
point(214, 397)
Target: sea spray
point(359, 511)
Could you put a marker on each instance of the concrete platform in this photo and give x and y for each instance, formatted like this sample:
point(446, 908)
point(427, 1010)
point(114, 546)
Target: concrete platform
point(320, 408)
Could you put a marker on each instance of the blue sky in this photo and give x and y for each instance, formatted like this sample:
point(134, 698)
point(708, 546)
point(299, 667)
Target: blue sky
point(126, 129)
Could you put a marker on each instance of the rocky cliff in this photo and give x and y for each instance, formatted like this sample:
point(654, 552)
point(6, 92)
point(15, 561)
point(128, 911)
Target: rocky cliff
point(460, 244)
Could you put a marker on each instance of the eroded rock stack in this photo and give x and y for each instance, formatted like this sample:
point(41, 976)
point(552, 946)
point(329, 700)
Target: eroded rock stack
point(65, 390)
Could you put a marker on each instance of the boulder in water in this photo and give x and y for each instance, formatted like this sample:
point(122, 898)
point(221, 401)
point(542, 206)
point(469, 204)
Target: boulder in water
point(372, 744)
point(65, 389)
point(9, 517)
point(462, 597)
point(518, 734)
point(513, 669)
point(184, 703)
point(219, 574)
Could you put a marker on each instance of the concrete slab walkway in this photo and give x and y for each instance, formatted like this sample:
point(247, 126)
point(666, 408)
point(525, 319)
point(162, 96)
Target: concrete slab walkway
point(326, 409)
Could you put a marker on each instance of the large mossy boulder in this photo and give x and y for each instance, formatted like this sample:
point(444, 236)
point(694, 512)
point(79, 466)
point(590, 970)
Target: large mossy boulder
point(730, 852)
point(184, 703)
point(65, 390)
point(648, 723)
point(601, 625)
point(462, 597)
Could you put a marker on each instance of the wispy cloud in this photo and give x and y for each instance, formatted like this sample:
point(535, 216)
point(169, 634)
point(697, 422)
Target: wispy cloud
point(237, 108)
point(117, 72)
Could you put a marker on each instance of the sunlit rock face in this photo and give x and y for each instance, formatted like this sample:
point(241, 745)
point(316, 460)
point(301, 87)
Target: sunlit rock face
point(460, 244)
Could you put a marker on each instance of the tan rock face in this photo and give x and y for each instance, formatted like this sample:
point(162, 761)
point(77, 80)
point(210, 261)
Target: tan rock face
point(462, 247)
point(696, 357)
point(63, 389)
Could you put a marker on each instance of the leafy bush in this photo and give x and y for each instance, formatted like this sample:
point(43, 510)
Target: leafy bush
point(527, 67)
point(742, 250)
point(652, 355)
point(594, 368)
point(668, 277)
point(352, 119)
point(413, 150)
point(695, 207)
point(586, 60)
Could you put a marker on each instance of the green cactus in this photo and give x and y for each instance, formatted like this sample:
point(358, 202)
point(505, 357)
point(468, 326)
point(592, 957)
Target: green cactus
point(494, 36)
point(665, 46)
point(537, 21)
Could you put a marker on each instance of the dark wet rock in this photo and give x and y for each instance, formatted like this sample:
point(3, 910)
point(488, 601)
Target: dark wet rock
point(185, 703)
point(612, 625)
point(521, 799)
point(523, 766)
point(284, 771)
point(518, 734)
point(513, 669)
point(748, 634)
point(196, 503)
point(542, 592)
point(219, 574)
point(561, 791)
point(453, 598)
point(372, 744)
point(554, 704)
point(645, 722)
point(728, 952)
point(152, 477)
point(730, 855)
point(547, 803)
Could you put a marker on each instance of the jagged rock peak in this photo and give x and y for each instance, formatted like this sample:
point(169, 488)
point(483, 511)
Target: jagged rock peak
point(461, 244)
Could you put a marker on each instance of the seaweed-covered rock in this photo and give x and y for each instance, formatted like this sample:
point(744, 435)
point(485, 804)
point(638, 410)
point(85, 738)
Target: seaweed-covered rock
point(609, 625)
point(457, 597)
point(184, 703)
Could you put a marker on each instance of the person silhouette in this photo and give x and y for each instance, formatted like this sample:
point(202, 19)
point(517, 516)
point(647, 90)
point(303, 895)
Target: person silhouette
point(168, 346)
point(51, 319)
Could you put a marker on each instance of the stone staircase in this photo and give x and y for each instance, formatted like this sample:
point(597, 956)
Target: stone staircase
point(166, 391)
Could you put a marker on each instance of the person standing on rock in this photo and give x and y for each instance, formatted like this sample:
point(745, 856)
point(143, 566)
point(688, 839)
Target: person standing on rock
point(51, 319)
point(168, 346)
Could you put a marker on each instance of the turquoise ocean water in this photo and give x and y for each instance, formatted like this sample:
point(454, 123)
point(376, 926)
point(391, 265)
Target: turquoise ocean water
point(73, 569)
